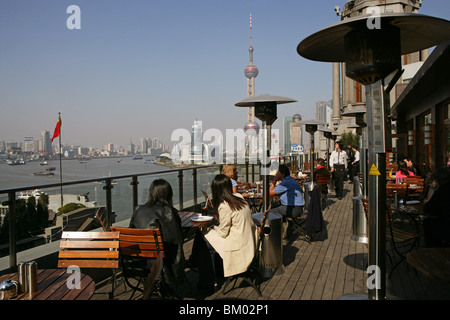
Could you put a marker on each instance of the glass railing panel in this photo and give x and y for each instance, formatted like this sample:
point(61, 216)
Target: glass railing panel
point(93, 195)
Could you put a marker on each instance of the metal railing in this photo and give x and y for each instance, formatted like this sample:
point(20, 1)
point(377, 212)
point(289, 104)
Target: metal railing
point(107, 182)
point(248, 172)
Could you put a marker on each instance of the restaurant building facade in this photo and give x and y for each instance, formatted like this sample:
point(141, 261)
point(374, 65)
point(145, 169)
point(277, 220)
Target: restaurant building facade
point(422, 113)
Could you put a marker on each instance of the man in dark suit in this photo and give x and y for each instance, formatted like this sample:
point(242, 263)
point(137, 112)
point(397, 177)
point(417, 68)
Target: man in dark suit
point(412, 166)
point(338, 165)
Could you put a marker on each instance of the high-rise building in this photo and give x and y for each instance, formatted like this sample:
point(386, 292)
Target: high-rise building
point(144, 145)
point(45, 144)
point(292, 134)
point(196, 141)
point(29, 145)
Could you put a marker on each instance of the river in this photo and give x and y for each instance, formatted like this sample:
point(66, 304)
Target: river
point(22, 176)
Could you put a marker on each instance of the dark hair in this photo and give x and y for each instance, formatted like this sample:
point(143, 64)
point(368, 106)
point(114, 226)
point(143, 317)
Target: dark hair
point(355, 147)
point(340, 144)
point(403, 167)
point(321, 162)
point(284, 170)
point(222, 192)
point(161, 192)
point(407, 158)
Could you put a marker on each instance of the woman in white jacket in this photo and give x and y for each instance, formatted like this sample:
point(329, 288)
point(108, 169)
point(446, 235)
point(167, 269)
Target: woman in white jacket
point(234, 237)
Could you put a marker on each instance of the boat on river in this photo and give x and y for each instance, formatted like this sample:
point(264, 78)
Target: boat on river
point(15, 162)
point(44, 173)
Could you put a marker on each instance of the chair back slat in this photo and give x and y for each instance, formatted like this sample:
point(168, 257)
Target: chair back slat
point(82, 244)
point(102, 264)
point(92, 254)
point(322, 179)
point(89, 249)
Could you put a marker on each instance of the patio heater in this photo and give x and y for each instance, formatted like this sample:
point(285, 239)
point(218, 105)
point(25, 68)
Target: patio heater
point(371, 46)
point(311, 126)
point(266, 111)
point(328, 134)
point(296, 118)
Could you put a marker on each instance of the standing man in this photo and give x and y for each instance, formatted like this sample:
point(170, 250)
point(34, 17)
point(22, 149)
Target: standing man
point(348, 150)
point(338, 165)
point(355, 163)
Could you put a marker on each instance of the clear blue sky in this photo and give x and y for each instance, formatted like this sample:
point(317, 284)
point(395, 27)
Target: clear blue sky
point(145, 68)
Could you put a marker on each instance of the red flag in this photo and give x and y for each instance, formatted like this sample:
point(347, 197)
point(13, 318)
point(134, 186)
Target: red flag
point(57, 129)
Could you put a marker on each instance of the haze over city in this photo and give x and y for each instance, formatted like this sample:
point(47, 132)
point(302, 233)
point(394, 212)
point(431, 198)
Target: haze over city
point(145, 68)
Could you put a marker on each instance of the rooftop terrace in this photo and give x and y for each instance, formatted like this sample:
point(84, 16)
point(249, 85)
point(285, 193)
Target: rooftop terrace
point(328, 269)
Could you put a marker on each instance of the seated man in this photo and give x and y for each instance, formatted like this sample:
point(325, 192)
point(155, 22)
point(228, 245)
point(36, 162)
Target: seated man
point(290, 193)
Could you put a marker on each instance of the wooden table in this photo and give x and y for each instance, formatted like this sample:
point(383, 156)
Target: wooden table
point(431, 262)
point(255, 201)
point(187, 222)
point(53, 285)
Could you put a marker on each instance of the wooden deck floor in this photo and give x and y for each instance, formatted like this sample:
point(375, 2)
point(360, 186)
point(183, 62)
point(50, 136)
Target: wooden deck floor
point(326, 269)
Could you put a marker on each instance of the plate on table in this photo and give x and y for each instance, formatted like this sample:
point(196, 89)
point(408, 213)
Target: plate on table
point(201, 218)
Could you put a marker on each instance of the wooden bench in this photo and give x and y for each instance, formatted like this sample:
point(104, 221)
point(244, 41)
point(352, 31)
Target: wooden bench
point(90, 250)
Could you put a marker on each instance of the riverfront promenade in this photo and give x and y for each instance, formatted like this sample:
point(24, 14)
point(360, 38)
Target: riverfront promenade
point(327, 269)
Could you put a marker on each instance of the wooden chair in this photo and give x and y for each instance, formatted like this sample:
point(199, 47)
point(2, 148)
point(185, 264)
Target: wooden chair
point(401, 232)
point(391, 168)
point(90, 250)
point(323, 180)
point(307, 166)
point(100, 215)
point(244, 186)
point(415, 187)
point(136, 246)
point(395, 193)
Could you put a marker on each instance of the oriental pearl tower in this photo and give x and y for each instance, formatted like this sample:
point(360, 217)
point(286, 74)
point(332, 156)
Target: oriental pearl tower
point(251, 128)
point(251, 72)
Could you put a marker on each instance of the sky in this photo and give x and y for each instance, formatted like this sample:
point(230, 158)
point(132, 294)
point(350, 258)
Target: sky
point(143, 68)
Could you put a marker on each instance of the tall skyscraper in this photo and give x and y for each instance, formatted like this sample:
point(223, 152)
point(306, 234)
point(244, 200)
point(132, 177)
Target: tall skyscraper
point(144, 145)
point(196, 141)
point(251, 72)
point(45, 145)
point(293, 137)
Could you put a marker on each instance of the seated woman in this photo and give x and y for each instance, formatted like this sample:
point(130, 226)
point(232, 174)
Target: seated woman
point(159, 212)
point(290, 192)
point(402, 172)
point(233, 239)
point(230, 171)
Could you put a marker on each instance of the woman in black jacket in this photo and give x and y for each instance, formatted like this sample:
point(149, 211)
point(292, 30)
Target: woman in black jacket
point(159, 212)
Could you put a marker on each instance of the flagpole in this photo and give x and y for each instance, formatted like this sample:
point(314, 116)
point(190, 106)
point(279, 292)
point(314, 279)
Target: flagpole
point(60, 158)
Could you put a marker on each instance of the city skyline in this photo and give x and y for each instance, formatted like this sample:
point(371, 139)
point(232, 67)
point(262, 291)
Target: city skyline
point(145, 68)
